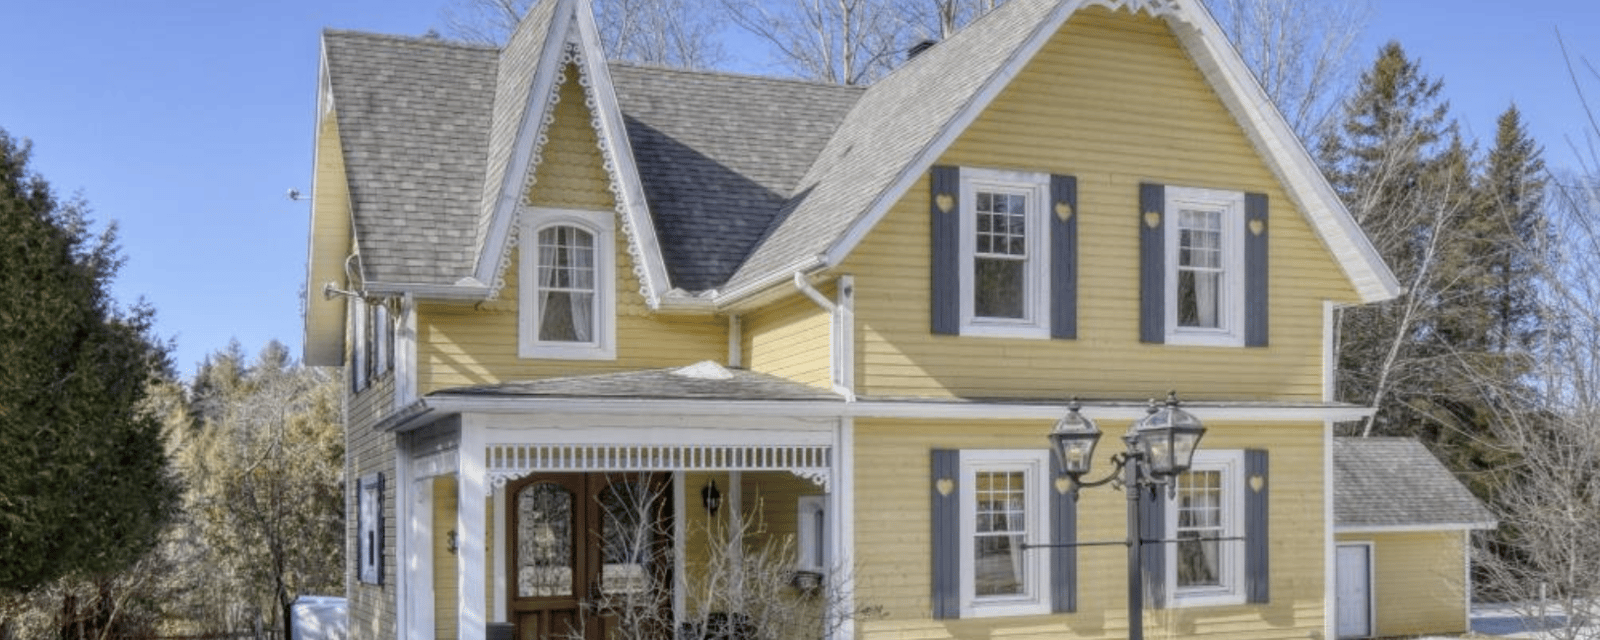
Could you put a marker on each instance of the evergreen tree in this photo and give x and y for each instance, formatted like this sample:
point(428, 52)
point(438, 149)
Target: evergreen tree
point(1513, 211)
point(1405, 176)
point(84, 483)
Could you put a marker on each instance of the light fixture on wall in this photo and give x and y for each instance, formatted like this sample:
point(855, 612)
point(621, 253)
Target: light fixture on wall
point(450, 543)
point(711, 498)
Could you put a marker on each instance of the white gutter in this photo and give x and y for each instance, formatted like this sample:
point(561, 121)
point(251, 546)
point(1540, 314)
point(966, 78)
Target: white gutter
point(842, 354)
point(430, 408)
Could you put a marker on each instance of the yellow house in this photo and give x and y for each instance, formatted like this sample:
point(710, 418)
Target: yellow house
point(638, 352)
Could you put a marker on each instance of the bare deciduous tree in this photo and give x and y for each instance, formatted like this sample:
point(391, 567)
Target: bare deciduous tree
point(847, 42)
point(673, 33)
point(1299, 52)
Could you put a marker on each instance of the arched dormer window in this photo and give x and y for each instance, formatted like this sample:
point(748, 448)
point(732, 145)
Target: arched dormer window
point(566, 285)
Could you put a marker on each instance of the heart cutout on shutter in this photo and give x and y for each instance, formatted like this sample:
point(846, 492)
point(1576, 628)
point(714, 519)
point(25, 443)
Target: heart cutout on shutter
point(1152, 219)
point(1063, 211)
point(1257, 227)
point(944, 486)
point(944, 202)
point(1256, 483)
point(1063, 485)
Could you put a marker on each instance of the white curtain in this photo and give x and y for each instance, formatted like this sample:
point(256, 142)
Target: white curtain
point(566, 285)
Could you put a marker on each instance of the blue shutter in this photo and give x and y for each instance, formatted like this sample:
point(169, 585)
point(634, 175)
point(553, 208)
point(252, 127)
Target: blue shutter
point(1152, 263)
point(1063, 213)
point(1153, 520)
point(1257, 576)
point(1255, 269)
point(946, 534)
point(1063, 532)
point(945, 232)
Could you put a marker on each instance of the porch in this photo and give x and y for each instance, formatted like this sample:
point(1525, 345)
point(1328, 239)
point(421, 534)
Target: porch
point(580, 524)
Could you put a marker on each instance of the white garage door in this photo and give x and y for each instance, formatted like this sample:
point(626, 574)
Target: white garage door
point(1354, 590)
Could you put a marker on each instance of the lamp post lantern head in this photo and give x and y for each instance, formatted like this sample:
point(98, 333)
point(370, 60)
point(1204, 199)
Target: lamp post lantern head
point(1073, 440)
point(1167, 437)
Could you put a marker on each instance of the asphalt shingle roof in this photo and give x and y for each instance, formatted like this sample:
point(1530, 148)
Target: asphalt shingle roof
point(896, 120)
point(675, 383)
point(413, 114)
point(718, 155)
point(1397, 482)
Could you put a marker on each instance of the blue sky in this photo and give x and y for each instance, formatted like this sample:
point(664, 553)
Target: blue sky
point(186, 121)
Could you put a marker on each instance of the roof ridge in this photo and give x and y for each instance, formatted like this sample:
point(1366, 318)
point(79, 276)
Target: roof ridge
point(745, 75)
point(424, 40)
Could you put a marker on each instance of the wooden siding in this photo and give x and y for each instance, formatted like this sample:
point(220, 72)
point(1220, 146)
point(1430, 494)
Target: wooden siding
point(791, 338)
point(331, 241)
point(1418, 581)
point(471, 344)
point(893, 530)
point(1112, 100)
point(446, 582)
point(367, 451)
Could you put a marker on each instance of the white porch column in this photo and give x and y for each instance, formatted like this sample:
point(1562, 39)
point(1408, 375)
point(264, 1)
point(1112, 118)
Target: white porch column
point(843, 507)
point(473, 487)
point(418, 581)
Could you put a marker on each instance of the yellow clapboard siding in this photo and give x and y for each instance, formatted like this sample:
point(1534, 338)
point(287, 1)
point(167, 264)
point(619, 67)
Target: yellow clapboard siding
point(1112, 100)
point(1419, 581)
point(790, 338)
point(892, 521)
point(445, 565)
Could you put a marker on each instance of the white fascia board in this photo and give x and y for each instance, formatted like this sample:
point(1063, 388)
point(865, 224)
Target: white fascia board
point(1416, 528)
point(613, 134)
point(1283, 152)
point(427, 291)
point(509, 192)
point(748, 295)
point(952, 129)
point(428, 409)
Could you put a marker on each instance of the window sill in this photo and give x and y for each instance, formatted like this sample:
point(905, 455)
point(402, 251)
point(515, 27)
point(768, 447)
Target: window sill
point(1207, 599)
point(997, 330)
point(1204, 339)
point(567, 352)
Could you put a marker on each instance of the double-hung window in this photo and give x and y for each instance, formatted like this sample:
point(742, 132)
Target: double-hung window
point(565, 285)
point(1005, 275)
point(1206, 518)
point(1002, 497)
point(1205, 266)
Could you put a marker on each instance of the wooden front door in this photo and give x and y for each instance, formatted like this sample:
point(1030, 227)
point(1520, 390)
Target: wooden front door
point(589, 552)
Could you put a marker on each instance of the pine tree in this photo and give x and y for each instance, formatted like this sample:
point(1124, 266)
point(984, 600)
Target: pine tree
point(1404, 174)
point(84, 482)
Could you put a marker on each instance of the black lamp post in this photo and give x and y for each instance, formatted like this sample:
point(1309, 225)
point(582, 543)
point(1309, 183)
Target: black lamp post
point(1159, 446)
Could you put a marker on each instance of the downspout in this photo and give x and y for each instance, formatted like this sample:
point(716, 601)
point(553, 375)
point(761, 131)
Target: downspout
point(841, 367)
point(736, 342)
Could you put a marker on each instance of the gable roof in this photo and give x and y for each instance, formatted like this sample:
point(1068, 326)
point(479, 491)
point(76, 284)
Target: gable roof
point(931, 99)
point(1397, 484)
point(412, 116)
point(726, 184)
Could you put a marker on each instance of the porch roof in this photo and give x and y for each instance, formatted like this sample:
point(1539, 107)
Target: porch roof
point(702, 381)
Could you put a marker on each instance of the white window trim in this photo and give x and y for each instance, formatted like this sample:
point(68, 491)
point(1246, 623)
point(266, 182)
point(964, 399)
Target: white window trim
point(1231, 304)
point(602, 225)
point(370, 532)
point(1230, 462)
point(358, 344)
point(1035, 464)
point(1036, 306)
point(813, 553)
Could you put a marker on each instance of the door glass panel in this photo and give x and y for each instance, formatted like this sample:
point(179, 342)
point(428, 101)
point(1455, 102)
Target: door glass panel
point(544, 541)
point(630, 537)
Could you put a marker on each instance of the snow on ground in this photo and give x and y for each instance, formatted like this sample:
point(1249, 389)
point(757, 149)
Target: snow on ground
point(1505, 621)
